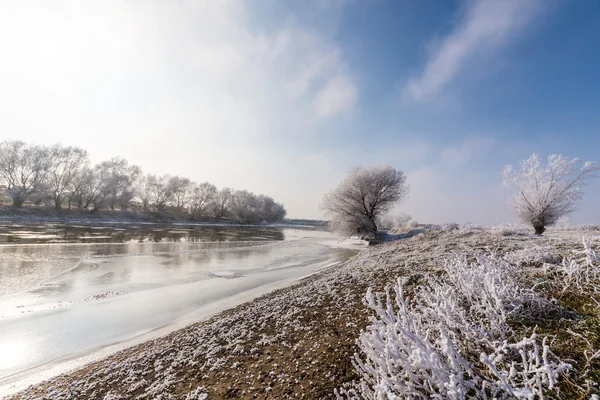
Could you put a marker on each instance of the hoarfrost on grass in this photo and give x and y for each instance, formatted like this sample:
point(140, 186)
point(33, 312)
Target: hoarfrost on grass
point(454, 341)
point(579, 270)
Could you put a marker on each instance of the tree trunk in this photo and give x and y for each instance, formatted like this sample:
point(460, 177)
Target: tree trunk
point(18, 202)
point(70, 201)
point(539, 229)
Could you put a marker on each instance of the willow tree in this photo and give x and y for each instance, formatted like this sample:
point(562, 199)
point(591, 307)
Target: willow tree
point(545, 192)
point(366, 194)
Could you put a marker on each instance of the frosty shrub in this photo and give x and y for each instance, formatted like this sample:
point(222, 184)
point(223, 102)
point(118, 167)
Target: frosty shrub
point(509, 229)
point(394, 221)
point(546, 192)
point(453, 341)
point(534, 255)
point(580, 270)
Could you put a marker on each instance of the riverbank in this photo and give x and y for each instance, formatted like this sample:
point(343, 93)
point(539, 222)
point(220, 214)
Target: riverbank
point(298, 342)
point(49, 215)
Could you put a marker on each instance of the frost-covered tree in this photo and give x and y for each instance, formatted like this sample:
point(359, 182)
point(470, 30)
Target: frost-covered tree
point(182, 190)
point(221, 204)
point(545, 192)
point(144, 190)
point(244, 207)
point(77, 188)
point(161, 190)
point(202, 197)
point(24, 169)
point(363, 197)
point(269, 210)
point(119, 182)
point(65, 164)
point(96, 192)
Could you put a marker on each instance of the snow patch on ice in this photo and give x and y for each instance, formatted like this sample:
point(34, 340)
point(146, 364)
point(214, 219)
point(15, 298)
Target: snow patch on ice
point(225, 274)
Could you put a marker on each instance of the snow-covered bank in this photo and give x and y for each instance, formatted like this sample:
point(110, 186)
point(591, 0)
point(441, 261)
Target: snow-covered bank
point(298, 342)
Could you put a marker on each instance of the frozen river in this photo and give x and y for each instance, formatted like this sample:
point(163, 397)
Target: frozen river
point(67, 292)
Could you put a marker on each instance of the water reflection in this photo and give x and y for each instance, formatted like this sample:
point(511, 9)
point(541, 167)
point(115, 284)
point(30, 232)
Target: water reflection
point(19, 234)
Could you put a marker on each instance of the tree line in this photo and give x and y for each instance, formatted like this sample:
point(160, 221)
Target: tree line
point(64, 176)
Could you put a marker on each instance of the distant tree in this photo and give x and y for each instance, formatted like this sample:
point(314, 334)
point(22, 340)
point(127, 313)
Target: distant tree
point(366, 194)
point(182, 190)
point(546, 192)
point(202, 198)
point(221, 204)
point(62, 175)
point(269, 210)
point(77, 194)
point(119, 182)
point(65, 163)
point(97, 187)
point(244, 207)
point(162, 191)
point(24, 169)
point(144, 190)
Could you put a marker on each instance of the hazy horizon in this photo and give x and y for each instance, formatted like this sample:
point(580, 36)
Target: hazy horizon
point(283, 99)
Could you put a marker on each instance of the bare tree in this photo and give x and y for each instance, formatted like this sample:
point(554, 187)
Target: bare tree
point(96, 187)
point(119, 182)
point(544, 193)
point(269, 210)
point(367, 193)
point(59, 175)
point(161, 190)
point(24, 169)
point(222, 203)
point(77, 188)
point(201, 199)
point(144, 190)
point(182, 190)
point(244, 207)
point(65, 163)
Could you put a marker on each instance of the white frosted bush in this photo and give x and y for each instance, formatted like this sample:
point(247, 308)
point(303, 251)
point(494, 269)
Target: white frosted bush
point(532, 371)
point(394, 220)
point(532, 255)
point(510, 229)
point(593, 260)
point(580, 270)
point(453, 341)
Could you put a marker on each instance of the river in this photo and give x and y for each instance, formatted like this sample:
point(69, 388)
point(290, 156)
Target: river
point(68, 292)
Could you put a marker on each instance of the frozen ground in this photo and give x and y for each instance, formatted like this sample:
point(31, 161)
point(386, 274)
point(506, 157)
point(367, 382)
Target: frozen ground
point(298, 342)
point(63, 304)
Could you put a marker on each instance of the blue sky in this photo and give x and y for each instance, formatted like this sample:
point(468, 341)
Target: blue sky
point(283, 97)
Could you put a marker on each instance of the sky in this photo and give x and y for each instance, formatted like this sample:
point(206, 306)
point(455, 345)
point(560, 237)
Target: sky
point(284, 97)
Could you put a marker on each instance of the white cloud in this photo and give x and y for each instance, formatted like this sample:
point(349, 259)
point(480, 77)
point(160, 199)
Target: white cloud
point(486, 26)
point(337, 96)
point(473, 148)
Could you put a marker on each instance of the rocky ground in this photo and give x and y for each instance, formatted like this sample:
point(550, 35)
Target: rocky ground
point(298, 342)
